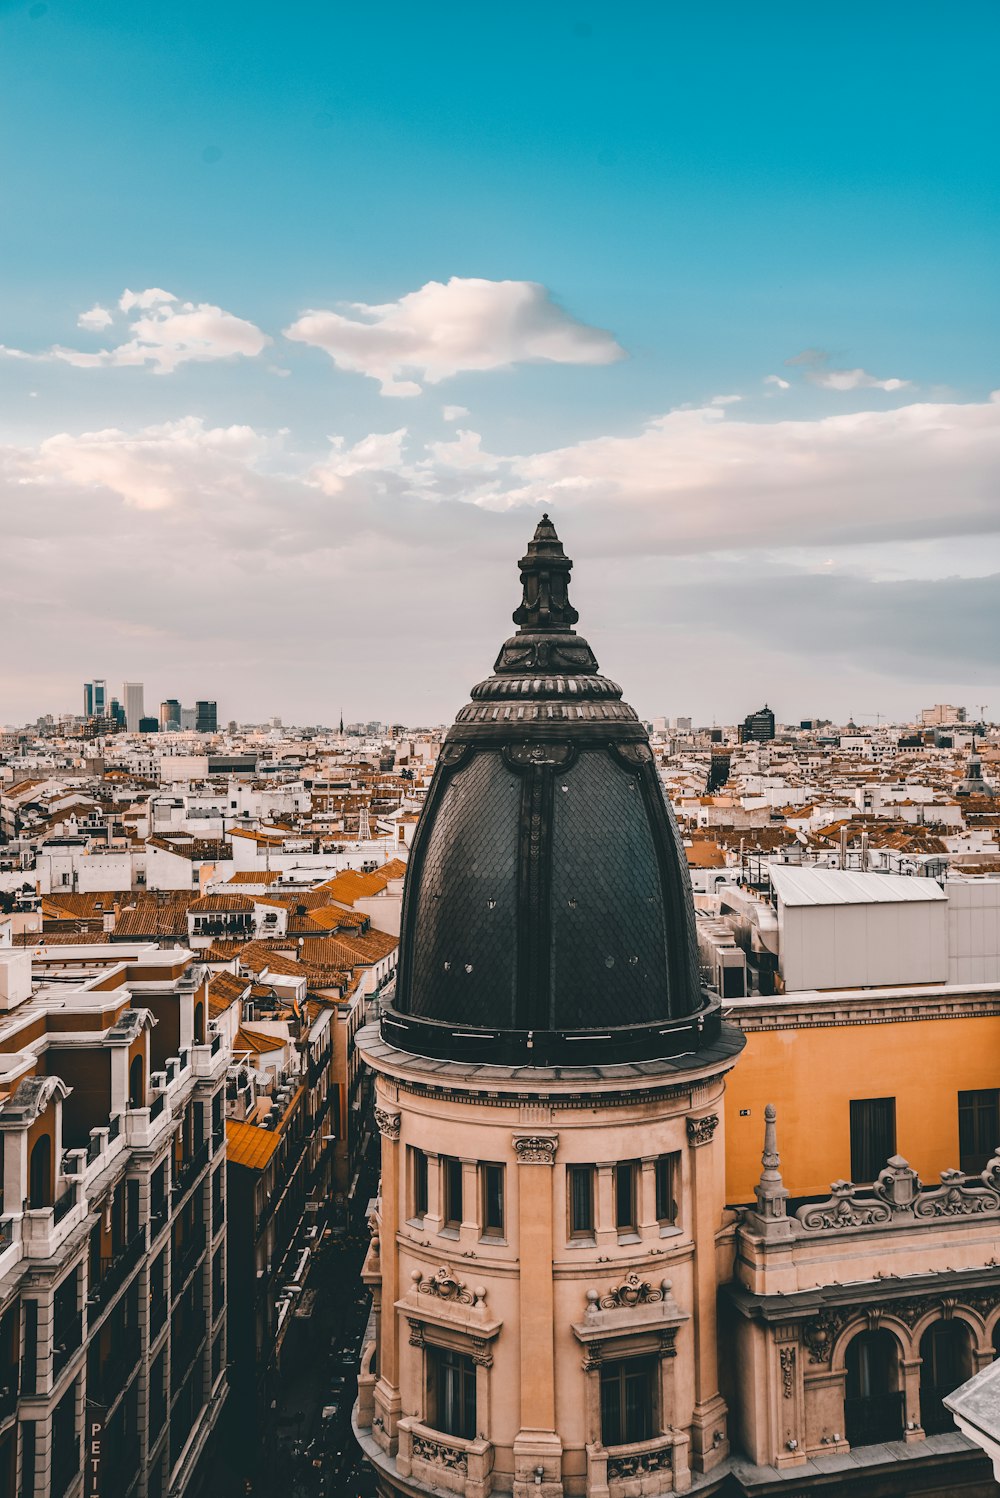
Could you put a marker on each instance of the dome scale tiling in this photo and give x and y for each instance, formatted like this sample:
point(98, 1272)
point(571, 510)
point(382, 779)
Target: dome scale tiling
point(548, 918)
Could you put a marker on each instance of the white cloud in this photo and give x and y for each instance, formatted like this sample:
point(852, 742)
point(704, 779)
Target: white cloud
point(816, 362)
point(151, 297)
point(97, 318)
point(444, 328)
point(454, 413)
point(852, 379)
point(379, 452)
point(776, 381)
point(170, 333)
point(725, 400)
point(151, 469)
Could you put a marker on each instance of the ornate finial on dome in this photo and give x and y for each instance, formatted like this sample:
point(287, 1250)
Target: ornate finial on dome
point(545, 573)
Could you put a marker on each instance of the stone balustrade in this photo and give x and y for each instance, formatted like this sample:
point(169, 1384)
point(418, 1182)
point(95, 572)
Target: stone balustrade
point(646, 1468)
point(444, 1463)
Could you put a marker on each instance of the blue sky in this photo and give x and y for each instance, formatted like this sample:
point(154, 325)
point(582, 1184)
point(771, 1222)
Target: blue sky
point(749, 256)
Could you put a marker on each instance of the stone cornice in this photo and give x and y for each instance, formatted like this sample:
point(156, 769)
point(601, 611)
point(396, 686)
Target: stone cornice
point(870, 1006)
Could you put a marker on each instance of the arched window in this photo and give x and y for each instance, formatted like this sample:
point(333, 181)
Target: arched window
point(40, 1173)
point(873, 1401)
point(136, 1083)
point(996, 1340)
point(199, 1023)
point(946, 1362)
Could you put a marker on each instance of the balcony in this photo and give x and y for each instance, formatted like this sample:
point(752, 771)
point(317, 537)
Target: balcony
point(186, 1171)
point(184, 1349)
point(159, 1216)
point(646, 1467)
point(109, 1379)
point(65, 1341)
point(444, 1462)
point(8, 1391)
point(43, 1229)
point(157, 1316)
point(186, 1256)
point(115, 1270)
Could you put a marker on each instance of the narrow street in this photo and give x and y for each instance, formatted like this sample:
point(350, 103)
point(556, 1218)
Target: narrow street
point(306, 1448)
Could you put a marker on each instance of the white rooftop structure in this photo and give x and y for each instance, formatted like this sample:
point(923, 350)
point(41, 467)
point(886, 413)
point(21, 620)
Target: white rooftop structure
point(797, 885)
point(838, 929)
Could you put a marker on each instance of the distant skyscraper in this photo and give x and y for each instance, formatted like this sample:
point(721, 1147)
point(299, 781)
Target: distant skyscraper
point(148, 725)
point(95, 698)
point(132, 696)
point(116, 713)
point(757, 727)
point(170, 715)
point(206, 717)
point(189, 718)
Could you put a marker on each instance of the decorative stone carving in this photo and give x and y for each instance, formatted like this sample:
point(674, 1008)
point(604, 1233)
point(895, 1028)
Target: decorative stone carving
point(481, 1354)
point(417, 1338)
point(820, 1334)
point(439, 1454)
point(633, 1291)
point(956, 1197)
point(843, 1210)
point(521, 756)
point(668, 1340)
point(445, 1286)
point(898, 1184)
point(536, 1149)
point(388, 1123)
point(640, 1464)
point(701, 1130)
point(786, 1356)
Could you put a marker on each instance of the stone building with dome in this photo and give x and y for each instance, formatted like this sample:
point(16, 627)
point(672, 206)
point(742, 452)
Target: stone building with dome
point(563, 1304)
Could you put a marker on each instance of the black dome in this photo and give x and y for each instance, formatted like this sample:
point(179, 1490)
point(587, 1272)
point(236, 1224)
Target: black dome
point(547, 917)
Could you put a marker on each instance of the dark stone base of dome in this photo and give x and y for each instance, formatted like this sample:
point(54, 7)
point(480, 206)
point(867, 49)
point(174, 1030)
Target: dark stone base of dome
point(613, 1046)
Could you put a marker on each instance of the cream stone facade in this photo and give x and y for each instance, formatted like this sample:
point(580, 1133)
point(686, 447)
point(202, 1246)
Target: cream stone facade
point(538, 1307)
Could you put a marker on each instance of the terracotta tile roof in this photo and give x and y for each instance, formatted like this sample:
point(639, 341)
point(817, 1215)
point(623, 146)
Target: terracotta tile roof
point(349, 951)
point(705, 855)
point(220, 902)
point(223, 990)
point(256, 1042)
point(249, 1145)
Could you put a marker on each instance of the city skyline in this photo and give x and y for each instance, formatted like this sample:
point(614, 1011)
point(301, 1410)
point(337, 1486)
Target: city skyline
point(725, 313)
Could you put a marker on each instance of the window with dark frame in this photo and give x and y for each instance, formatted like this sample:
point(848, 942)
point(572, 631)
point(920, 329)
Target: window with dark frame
point(452, 1381)
point(580, 1194)
point(667, 1172)
point(628, 1401)
point(625, 1213)
point(452, 1170)
point(978, 1128)
point(419, 1160)
point(491, 1185)
point(873, 1136)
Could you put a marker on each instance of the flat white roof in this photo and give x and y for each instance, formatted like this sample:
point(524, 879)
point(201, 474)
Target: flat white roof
point(804, 886)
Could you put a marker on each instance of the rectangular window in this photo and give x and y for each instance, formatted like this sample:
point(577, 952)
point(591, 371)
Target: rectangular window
point(419, 1167)
point(452, 1172)
point(453, 1391)
point(491, 1179)
point(667, 1180)
point(873, 1136)
point(978, 1128)
point(580, 1191)
point(628, 1401)
point(625, 1213)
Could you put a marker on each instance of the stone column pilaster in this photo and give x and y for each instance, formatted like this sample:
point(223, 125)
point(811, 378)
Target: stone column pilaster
point(537, 1446)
